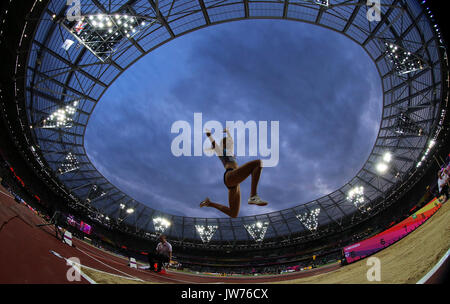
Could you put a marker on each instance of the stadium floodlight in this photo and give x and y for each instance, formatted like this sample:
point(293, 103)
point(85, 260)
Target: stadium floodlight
point(387, 157)
point(356, 197)
point(206, 232)
point(122, 206)
point(257, 230)
point(382, 167)
point(102, 34)
point(130, 210)
point(160, 224)
point(310, 219)
point(404, 62)
point(69, 164)
point(61, 118)
point(431, 144)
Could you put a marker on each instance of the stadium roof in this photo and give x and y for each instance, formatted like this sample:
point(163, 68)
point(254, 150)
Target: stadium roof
point(72, 63)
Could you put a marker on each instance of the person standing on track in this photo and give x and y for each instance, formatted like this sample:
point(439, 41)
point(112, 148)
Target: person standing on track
point(162, 254)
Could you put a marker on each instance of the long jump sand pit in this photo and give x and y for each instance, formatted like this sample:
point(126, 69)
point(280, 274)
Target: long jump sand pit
point(405, 262)
point(104, 278)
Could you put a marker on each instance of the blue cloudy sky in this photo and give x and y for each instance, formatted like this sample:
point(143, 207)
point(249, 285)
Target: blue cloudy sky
point(321, 87)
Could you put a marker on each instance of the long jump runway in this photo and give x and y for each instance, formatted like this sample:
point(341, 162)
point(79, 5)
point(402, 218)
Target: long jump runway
point(29, 254)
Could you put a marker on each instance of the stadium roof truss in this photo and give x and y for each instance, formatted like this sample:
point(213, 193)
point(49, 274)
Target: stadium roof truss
point(71, 65)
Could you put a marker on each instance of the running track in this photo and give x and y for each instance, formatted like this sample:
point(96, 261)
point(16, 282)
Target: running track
point(25, 255)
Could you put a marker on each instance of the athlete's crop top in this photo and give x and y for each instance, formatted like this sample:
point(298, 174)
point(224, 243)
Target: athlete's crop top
point(227, 159)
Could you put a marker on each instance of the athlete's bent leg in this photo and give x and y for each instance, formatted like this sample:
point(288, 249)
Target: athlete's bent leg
point(238, 175)
point(234, 201)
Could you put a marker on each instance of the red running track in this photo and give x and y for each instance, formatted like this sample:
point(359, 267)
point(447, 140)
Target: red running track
point(26, 258)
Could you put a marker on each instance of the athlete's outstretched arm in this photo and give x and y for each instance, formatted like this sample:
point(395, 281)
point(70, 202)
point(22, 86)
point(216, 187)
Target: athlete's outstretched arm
point(229, 142)
point(214, 146)
point(226, 130)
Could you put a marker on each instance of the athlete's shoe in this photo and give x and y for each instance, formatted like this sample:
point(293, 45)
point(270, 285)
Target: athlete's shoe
point(256, 200)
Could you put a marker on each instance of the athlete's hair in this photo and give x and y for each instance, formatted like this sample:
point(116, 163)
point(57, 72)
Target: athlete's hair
point(224, 142)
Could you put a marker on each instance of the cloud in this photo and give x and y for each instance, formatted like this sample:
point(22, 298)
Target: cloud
point(320, 86)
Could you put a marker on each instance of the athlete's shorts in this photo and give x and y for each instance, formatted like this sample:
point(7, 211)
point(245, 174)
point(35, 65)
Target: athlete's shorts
point(226, 171)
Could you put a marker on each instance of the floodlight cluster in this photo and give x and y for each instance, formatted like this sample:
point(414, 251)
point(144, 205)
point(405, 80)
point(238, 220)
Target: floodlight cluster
point(102, 33)
point(310, 219)
point(62, 117)
point(70, 164)
point(257, 230)
point(356, 196)
point(206, 232)
point(383, 166)
point(404, 61)
point(160, 224)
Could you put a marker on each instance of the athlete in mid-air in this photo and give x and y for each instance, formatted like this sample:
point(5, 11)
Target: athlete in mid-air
point(233, 176)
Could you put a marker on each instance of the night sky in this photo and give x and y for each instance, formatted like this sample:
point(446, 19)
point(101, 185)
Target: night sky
point(322, 88)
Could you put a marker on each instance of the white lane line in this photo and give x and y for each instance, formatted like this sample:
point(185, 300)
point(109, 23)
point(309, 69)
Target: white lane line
point(83, 274)
point(140, 270)
point(98, 252)
point(128, 275)
point(76, 267)
point(6, 194)
point(156, 276)
point(103, 257)
point(435, 268)
point(90, 247)
point(108, 273)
